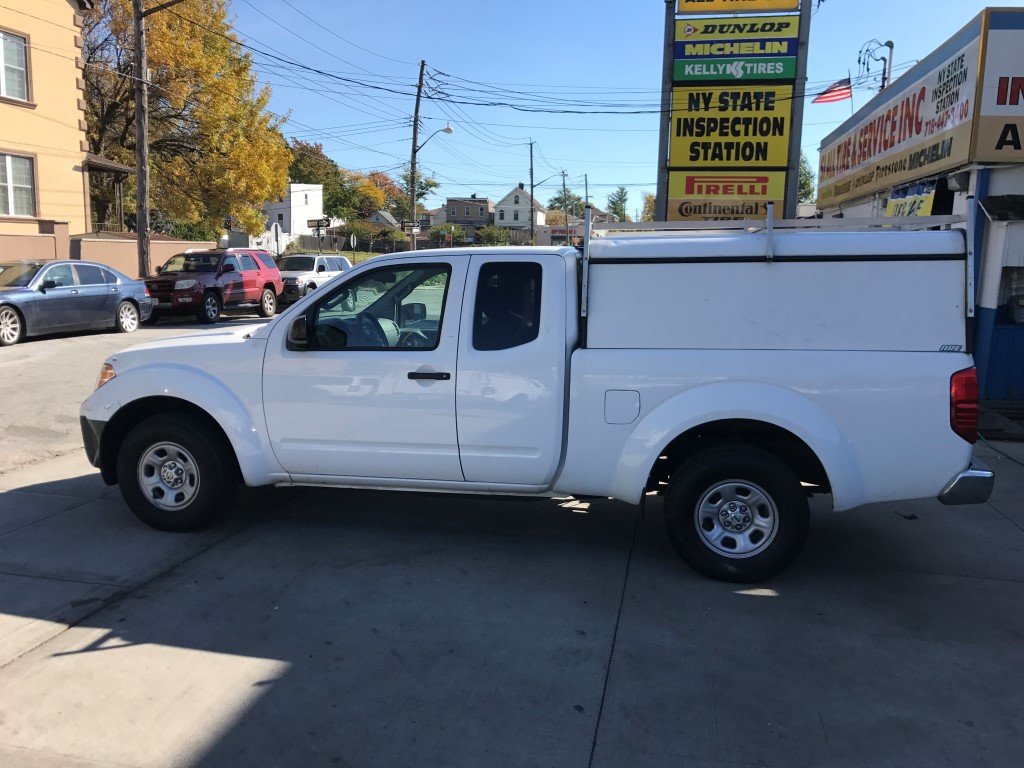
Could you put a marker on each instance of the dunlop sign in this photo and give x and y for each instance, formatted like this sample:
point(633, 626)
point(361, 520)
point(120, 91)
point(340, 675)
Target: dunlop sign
point(735, 6)
point(724, 195)
point(731, 127)
point(758, 48)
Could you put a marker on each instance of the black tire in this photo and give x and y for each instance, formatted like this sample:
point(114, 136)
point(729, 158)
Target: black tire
point(126, 319)
point(209, 308)
point(268, 303)
point(12, 326)
point(189, 480)
point(758, 536)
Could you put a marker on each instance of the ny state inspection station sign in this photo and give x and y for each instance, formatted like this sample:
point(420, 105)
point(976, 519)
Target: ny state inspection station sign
point(736, 49)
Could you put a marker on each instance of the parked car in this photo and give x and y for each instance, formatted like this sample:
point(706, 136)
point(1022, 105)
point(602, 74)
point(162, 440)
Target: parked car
point(205, 282)
point(38, 297)
point(303, 272)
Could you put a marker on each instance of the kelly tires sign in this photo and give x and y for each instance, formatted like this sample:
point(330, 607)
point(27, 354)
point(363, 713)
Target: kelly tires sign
point(756, 48)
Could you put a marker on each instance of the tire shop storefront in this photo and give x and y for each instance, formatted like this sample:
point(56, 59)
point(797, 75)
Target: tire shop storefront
point(948, 138)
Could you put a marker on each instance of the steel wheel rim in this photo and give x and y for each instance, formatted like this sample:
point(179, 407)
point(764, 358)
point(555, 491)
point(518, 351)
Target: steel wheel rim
point(736, 519)
point(268, 302)
point(10, 325)
point(210, 306)
point(128, 317)
point(168, 476)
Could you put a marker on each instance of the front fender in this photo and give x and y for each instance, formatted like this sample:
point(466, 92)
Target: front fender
point(718, 401)
point(243, 425)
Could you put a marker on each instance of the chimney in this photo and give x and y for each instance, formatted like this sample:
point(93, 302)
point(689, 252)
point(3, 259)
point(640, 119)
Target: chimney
point(522, 186)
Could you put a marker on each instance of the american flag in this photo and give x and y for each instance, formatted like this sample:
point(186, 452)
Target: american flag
point(839, 90)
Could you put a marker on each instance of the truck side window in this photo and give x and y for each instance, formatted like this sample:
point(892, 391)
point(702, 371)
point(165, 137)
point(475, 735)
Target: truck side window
point(507, 311)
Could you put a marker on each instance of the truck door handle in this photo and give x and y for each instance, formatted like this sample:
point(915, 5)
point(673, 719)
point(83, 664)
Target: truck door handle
point(435, 375)
point(74, 291)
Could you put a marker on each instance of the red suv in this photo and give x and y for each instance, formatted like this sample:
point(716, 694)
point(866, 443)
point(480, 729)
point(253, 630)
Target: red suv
point(205, 282)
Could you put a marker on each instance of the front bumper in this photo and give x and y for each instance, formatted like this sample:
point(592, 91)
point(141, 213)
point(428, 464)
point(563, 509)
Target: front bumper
point(971, 486)
point(178, 301)
point(292, 292)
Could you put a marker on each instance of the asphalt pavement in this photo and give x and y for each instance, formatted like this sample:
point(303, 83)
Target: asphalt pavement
point(314, 627)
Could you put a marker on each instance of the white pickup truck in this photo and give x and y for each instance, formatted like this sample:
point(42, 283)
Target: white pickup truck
point(734, 372)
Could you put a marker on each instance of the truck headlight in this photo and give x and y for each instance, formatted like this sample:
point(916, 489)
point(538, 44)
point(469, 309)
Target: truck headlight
point(184, 285)
point(106, 374)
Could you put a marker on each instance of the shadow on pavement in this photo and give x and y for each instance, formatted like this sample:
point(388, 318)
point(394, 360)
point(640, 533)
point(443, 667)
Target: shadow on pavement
point(357, 628)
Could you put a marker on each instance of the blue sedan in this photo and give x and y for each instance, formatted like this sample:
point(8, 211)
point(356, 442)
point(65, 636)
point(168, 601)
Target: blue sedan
point(38, 297)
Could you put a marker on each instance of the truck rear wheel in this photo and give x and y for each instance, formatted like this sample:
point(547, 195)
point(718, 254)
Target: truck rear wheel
point(209, 308)
point(172, 472)
point(736, 514)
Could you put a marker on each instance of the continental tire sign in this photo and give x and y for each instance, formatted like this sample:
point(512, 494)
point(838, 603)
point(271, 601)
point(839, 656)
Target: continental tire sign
point(724, 195)
point(735, 6)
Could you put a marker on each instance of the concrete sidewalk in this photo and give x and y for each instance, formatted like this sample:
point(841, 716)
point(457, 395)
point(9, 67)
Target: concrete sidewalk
point(315, 627)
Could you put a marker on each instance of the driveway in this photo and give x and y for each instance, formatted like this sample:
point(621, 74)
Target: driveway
point(354, 628)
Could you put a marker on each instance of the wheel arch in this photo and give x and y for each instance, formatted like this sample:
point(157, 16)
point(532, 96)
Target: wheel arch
point(765, 416)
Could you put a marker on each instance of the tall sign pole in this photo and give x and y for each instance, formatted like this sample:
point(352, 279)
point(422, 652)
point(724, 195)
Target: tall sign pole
point(661, 200)
point(799, 90)
point(141, 141)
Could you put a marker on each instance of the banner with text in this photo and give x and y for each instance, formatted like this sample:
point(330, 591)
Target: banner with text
point(735, 6)
point(916, 200)
point(923, 128)
point(724, 195)
point(731, 127)
point(999, 137)
point(755, 48)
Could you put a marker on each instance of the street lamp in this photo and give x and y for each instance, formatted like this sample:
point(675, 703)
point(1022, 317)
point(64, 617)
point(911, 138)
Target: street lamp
point(412, 177)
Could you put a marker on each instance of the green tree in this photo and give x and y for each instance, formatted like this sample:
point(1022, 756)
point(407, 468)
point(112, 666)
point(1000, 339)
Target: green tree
point(569, 202)
point(805, 182)
point(439, 234)
point(310, 165)
point(617, 204)
point(424, 186)
point(216, 151)
point(649, 210)
point(492, 235)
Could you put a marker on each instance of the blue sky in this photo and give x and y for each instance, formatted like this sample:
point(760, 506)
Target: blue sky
point(525, 56)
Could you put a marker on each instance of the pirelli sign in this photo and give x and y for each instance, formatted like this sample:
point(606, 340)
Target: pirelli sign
point(711, 196)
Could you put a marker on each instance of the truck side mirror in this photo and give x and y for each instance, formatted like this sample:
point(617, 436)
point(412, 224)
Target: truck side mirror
point(413, 312)
point(321, 267)
point(298, 335)
point(228, 268)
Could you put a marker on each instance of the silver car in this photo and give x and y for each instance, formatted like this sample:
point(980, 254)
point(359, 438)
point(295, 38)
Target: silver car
point(38, 297)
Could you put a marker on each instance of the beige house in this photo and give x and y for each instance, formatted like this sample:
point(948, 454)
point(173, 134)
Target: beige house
point(44, 191)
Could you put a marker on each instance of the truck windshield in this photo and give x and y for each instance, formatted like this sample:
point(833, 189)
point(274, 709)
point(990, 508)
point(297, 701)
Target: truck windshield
point(191, 262)
point(296, 264)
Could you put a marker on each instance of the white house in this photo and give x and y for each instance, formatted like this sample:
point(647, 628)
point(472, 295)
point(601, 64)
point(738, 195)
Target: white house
point(513, 210)
point(301, 203)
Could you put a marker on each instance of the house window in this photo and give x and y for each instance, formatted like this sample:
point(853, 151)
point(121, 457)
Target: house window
point(467, 210)
point(305, 199)
point(517, 199)
point(17, 186)
point(481, 210)
point(280, 217)
point(452, 210)
point(501, 215)
point(14, 72)
point(515, 215)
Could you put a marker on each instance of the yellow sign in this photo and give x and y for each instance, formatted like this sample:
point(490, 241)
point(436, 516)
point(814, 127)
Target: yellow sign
point(731, 127)
point(736, 6)
point(751, 28)
point(911, 201)
point(722, 195)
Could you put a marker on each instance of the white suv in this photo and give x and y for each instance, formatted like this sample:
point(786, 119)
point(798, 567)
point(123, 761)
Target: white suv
point(303, 272)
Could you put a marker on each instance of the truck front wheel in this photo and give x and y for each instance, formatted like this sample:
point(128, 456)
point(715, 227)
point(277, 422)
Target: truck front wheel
point(172, 474)
point(736, 514)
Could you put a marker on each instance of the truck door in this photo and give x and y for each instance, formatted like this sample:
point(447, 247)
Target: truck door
point(512, 358)
point(372, 392)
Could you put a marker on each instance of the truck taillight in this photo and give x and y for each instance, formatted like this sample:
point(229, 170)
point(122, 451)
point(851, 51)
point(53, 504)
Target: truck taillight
point(963, 404)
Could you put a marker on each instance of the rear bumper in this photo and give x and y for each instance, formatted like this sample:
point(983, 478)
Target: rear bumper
point(971, 486)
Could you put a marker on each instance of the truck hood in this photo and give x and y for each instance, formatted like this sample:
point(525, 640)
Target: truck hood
point(302, 274)
point(203, 350)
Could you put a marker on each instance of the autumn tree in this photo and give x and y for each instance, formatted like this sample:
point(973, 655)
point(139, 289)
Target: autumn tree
point(216, 151)
point(617, 204)
point(649, 211)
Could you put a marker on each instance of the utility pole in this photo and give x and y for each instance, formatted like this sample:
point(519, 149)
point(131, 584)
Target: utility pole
point(142, 131)
point(565, 206)
point(412, 162)
point(533, 215)
point(586, 189)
